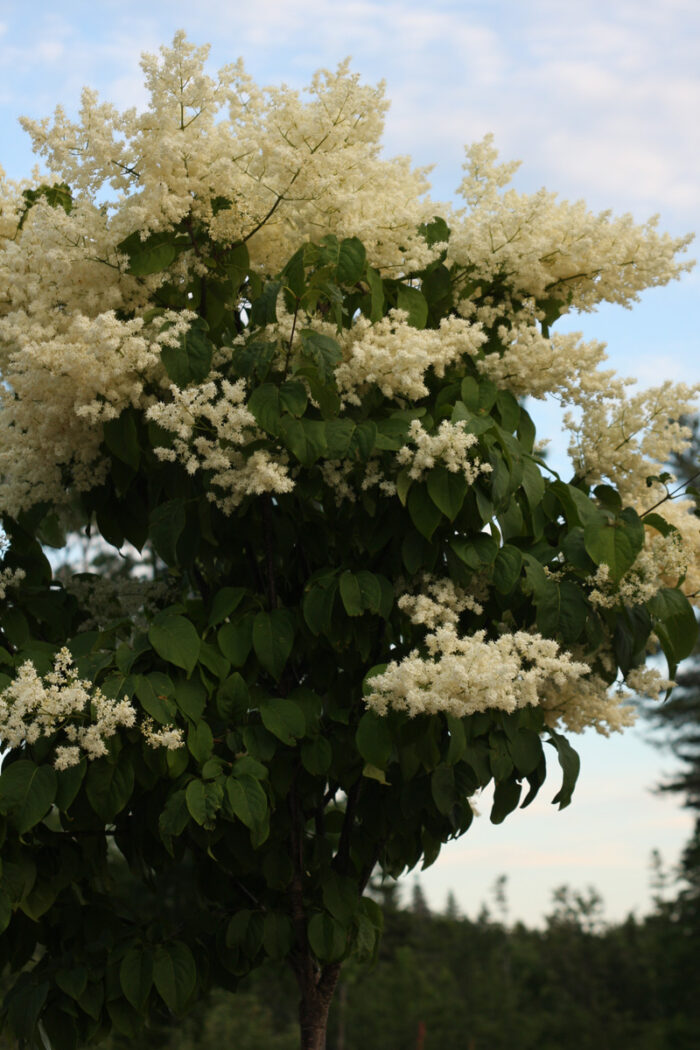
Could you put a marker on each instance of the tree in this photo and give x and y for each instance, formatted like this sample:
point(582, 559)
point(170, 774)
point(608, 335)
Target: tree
point(253, 350)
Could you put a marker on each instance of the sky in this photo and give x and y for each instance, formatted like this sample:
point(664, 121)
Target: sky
point(599, 101)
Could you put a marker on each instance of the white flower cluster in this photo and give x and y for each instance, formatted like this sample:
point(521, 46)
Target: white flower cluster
point(396, 356)
point(463, 675)
point(681, 514)
point(663, 561)
point(450, 445)
point(440, 602)
point(10, 578)
point(533, 365)
point(626, 438)
point(548, 249)
point(289, 168)
point(63, 377)
point(648, 681)
point(32, 707)
point(212, 426)
point(586, 702)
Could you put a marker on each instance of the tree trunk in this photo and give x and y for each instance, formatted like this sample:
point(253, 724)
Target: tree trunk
point(316, 994)
point(342, 1008)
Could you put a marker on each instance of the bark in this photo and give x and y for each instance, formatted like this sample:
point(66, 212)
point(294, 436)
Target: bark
point(317, 989)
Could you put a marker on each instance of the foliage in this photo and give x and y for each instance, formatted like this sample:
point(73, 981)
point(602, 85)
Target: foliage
point(372, 596)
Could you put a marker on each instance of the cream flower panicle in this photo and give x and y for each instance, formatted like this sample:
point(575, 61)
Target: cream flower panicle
point(32, 707)
point(463, 675)
point(450, 446)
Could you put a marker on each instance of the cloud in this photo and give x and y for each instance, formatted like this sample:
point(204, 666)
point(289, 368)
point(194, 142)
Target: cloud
point(599, 100)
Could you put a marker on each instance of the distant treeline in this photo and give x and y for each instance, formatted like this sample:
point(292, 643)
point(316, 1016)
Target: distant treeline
point(444, 982)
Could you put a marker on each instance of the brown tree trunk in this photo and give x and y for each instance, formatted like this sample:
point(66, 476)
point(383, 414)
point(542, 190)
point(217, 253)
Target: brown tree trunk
point(317, 989)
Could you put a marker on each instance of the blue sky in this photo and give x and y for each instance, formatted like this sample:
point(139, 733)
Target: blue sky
point(599, 101)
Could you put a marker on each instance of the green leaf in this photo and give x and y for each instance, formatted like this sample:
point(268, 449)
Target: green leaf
point(211, 658)
point(507, 568)
point(158, 705)
point(327, 937)
point(324, 393)
point(165, 526)
point(414, 303)
point(305, 438)
point(570, 764)
point(190, 360)
point(263, 309)
point(109, 786)
point(151, 255)
point(323, 351)
point(245, 932)
point(447, 490)
point(237, 264)
point(477, 552)
point(371, 590)
point(293, 397)
point(351, 594)
point(136, 976)
point(72, 981)
point(233, 699)
point(24, 1005)
point(506, 797)
point(658, 523)
point(508, 410)
point(278, 935)
point(124, 1019)
point(339, 435)
point(174, 974)
point(246, 765)
point(318, 603)
point(376, 294)
point(264, 403)
point(425, 515)
point(340, 897)
point(525, 749)
point(532, 483)
point(200, 741)
point(236, 640)
point(224, 603)
point(26, 793)
point(121, 438)
point(373, 739)
point(273, 639)
point(675, 624)
point(351, 261)
point(436, 231)
point(284, 719)
point(204, 799)
point(458, 739)
point(579, 508)
point(247, 799)
point(190, 697)
point(175, 817)
point(442, 788)
point(562, 609)
point(363, 441)
point(316, 755)
point(175, 639)
point(614, 544)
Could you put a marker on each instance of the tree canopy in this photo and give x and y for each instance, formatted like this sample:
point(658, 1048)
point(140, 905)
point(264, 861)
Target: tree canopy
point(234, 338)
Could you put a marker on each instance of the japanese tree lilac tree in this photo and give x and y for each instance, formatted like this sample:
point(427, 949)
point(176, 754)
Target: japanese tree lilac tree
point(235, 337)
